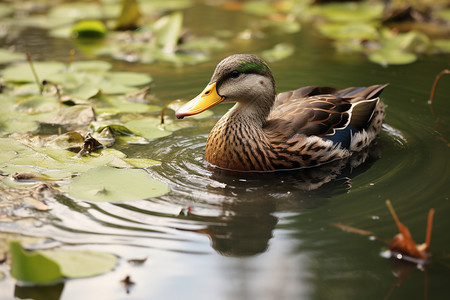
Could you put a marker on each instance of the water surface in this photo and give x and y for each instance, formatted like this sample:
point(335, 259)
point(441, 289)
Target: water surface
point(218, 235)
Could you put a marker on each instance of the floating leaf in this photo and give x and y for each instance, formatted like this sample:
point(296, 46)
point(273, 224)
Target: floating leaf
point(444, 14)
point(412, 41)
point(392, 57)
point(8, 56)
point(111, 184)
point(141, 162)
point(115, 128)
point(278, 52)
point(129, 16)
point(350, 11)
point(84, 91)
point(22, 73)
point(344, 31)
point(286, 26)
point(77, 114)
point(78, 11)
point(29, 266)
point(260, 8)
point(167, 30)
point(90, 66)
point(68, 141)
point(5, 9)
point(76, 263)
point(36, 104)
point(45, 266)
point(129, 78)
point(441, 45)
point(89, 29)
point(150, 127)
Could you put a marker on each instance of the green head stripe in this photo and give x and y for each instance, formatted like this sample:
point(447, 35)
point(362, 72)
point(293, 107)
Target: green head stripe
point(252, 67)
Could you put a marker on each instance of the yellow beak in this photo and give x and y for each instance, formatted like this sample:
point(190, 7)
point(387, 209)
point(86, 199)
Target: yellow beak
point(206, 99)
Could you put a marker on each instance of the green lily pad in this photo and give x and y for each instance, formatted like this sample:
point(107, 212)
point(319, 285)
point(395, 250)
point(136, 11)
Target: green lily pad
point(129, 78)
point(90, 66)
point(167, 31)
point(345, 31)
point(141, 162)
point(114, 88)
point(8, 56)
point(36, 103)
point(129, 17)
point(77, 114)
point(161, 6)
point(5, 9)
point(111, 184)
point(392, 57)
point(84, 91)
point(150, 128)
point(278, 52)
point(89, 29)
point(444, 14)
point(78, 263)
point(347, 12)
point(441, 45)
point(411, 41)
point(11, 149)
point(77, 11)
point(29, 266)
point(260, 8)
point(22, 72)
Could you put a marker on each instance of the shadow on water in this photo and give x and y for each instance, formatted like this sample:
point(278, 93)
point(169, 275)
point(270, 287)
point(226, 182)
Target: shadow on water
point(246, 220)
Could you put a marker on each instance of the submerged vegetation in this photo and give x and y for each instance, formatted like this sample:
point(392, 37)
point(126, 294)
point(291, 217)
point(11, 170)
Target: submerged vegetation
point(61, 122)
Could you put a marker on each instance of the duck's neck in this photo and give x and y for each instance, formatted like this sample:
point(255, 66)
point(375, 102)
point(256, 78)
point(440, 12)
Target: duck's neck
point(238, 141)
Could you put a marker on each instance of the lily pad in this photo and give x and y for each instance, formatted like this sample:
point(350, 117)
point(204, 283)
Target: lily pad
point(278, 52)
point(5, 9)
point(111, 184)
point(8, 56)
point(345, 31)
point(77, 114)
point(167, 30)
point(129, 78)
point(78, 11)
point(77, 264)
point(22, 73)
point(441, 45)
point(392, 57)
point(347, 12)
point(28, 266)
point(90, 66)
point(89, 29)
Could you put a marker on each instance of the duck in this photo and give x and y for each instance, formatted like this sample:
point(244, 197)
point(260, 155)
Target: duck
point(263, 131)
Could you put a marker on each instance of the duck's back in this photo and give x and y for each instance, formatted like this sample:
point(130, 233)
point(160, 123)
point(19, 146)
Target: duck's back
point(346, 120)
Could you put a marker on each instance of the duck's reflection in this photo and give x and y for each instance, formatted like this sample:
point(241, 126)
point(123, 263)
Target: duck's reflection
point(41, 292)
point(247, 219)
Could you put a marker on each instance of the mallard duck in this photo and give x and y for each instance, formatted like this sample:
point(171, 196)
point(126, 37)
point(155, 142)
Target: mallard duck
point(302, 128)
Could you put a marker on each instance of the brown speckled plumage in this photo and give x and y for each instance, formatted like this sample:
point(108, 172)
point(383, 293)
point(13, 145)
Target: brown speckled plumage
point(294, 129)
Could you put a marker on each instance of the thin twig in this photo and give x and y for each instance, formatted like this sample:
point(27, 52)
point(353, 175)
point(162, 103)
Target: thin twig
point(163, 111)
point(433, 89)
point(429, 228)
point(36, 78)
point(70, 59)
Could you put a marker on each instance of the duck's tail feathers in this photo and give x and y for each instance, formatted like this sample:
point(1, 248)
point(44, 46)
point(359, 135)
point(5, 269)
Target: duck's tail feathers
point(359, 93)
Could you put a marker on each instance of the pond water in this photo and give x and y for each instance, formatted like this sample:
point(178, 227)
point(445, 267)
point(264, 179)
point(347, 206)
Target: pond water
point(218, 235)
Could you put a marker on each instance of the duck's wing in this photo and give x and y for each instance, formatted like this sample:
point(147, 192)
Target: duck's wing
point(308, 111)
point(303, 92)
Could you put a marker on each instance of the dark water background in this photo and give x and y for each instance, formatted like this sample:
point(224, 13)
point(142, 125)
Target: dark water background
point(263, 236)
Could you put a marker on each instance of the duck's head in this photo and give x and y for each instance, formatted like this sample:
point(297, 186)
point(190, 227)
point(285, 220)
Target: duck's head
point(242, 78)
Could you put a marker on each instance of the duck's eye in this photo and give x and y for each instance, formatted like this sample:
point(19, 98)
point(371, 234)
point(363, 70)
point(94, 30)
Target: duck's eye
point(235, 74)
